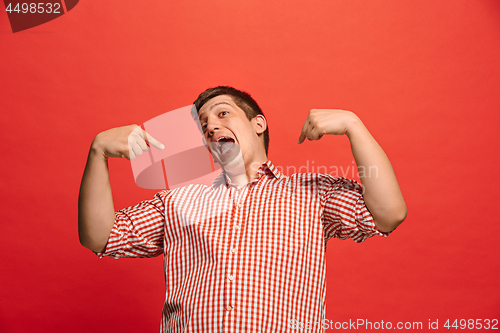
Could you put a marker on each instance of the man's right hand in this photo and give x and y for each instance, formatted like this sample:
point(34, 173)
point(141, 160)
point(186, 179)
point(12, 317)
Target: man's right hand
point(127, 141)
point(96, 211)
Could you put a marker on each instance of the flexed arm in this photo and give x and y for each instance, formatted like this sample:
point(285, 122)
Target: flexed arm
point(96, 211)
point(382, 194)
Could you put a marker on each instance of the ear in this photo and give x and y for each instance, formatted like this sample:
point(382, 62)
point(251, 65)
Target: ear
point(259, 124)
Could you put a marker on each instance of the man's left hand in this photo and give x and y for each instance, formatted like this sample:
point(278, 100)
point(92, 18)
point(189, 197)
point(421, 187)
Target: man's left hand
point(325, 121)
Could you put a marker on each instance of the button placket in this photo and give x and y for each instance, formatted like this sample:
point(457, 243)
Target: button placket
point(238, 198)
point(236, 195)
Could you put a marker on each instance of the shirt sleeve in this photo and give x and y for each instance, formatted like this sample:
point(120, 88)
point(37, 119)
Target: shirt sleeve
point(138, 230)
point(344, 211)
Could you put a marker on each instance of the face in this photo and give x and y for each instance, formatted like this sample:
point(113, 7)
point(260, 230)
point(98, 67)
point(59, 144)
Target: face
point(230, 136)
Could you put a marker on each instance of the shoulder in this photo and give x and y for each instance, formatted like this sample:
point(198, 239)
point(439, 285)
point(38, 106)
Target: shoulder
point(185, 192)
point(324, 182)
point(309, 181)
point(312, 177)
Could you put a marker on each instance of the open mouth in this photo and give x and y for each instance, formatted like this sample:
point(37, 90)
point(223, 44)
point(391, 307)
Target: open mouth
point(224, 145)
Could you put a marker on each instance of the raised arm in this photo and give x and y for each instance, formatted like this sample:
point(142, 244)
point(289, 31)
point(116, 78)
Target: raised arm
point(96, 211)
point(382, 194)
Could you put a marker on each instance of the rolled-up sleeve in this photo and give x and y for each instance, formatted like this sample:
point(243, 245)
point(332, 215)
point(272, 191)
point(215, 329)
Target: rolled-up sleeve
point(138, 231)
point(344, 211)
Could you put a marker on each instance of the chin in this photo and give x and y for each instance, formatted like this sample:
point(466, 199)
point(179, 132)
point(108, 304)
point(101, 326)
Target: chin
point(232, 163)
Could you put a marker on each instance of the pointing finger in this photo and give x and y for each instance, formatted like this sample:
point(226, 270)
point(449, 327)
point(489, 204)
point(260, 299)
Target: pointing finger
point(136, 139)
point(152, 141)
point(301, 138)
point(304, 131)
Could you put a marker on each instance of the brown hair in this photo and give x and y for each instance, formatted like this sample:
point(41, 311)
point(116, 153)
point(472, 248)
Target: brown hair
point(242, 99)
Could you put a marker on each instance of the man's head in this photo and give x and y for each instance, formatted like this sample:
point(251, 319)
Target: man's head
point(241, 99)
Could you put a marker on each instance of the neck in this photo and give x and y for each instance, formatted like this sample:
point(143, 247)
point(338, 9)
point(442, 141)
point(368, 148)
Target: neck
point(244, 173)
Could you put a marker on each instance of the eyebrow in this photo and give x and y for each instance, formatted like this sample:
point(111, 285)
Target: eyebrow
point(219, 103)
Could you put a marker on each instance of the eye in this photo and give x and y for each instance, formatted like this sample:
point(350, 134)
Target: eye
point(223, 113)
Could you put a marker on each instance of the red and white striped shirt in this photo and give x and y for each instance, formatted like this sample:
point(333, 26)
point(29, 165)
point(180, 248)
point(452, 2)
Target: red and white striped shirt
point(244, 260)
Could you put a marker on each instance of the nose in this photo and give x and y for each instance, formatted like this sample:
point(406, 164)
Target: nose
point(212, 126)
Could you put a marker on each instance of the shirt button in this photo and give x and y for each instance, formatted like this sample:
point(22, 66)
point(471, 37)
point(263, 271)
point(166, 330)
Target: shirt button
point(237, 226)
point(231, 277)
point(240, 205)
point(233, 250)
point(229, 307)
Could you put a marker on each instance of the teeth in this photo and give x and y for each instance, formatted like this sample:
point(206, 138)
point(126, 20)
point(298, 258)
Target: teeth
point(222, 137)
point(219, 145)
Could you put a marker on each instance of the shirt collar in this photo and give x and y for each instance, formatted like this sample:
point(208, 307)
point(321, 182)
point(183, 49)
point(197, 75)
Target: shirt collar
point(267, 169)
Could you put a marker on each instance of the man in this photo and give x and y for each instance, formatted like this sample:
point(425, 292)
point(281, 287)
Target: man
point(248, 252)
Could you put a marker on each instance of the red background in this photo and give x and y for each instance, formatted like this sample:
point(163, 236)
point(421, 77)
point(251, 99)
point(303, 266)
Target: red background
point(424, 76)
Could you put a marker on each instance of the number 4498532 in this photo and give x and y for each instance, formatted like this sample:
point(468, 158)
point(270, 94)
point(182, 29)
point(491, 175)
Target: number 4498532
point(472, 324)
point(49, 8)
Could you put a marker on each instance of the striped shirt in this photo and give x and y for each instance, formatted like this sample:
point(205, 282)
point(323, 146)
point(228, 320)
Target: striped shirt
point(244, 260)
